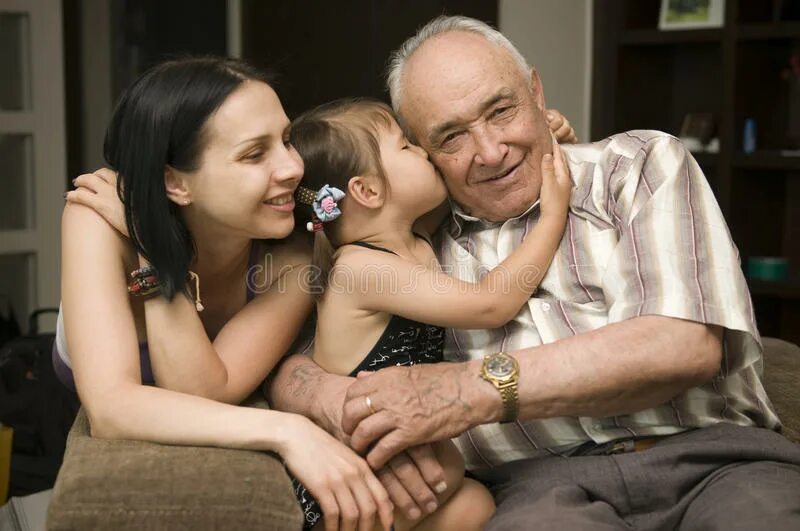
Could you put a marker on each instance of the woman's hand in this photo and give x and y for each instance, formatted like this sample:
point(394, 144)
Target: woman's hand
point(560, 126)
point(556, 184)
point(350, 495)
point(98, 191)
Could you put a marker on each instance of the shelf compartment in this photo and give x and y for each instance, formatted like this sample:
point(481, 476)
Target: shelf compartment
point(684, 78)
point(657, 37)
point(782, 289)
point(766, 160)
point(764, 94)
point(706, 160)
point(769, 31)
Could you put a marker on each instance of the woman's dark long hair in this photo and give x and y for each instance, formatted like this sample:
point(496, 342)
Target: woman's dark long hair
point(158, 122)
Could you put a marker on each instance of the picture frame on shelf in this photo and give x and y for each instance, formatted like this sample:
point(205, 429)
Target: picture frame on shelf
point(691, 14)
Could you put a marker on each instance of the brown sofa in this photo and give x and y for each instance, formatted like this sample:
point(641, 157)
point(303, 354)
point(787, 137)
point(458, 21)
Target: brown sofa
point(137, 486)
point(128, 485)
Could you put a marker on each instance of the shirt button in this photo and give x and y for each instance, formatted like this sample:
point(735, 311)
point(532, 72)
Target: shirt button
point(545, 306)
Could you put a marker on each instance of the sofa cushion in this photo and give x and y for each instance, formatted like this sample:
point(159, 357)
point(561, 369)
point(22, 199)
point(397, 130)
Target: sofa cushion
point(134, 485)
point(782, 381)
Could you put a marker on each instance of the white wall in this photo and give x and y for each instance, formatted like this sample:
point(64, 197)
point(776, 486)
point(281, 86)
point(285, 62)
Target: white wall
point(555, 36)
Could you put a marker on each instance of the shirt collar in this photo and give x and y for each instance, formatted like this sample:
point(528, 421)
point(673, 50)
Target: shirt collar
point(460, 218)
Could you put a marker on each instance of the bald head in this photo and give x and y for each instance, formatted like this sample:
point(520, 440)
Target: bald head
point(438, 26)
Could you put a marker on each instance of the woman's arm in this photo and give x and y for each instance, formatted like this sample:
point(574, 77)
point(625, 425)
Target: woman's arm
point(433, 297)
point(103, 345)
point(104, 351)
point(246, 348)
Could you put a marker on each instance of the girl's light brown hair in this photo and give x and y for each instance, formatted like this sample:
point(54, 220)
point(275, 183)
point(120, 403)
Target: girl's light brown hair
point(337, 141)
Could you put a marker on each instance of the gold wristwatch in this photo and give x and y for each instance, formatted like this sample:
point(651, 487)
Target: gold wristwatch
point(502, 371)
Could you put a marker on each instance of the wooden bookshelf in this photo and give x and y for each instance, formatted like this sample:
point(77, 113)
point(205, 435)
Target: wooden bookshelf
point(647, 78)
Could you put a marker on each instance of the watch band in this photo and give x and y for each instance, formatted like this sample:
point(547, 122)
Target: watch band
point(510, 397)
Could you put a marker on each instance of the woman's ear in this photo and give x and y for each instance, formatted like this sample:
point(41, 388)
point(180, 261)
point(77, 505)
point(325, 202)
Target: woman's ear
point(176, 186)
point(367, 190)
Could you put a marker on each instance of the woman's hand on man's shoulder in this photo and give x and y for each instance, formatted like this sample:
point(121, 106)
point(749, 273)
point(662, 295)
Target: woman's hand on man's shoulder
point(98, 191)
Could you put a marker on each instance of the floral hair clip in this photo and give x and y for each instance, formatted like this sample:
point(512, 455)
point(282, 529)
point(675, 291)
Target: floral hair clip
point(324, 203)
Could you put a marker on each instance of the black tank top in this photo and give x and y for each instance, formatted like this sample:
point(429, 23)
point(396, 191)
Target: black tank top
point(404, 341)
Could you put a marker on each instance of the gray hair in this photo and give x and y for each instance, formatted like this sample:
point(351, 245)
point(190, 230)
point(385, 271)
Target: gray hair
point(437, 26)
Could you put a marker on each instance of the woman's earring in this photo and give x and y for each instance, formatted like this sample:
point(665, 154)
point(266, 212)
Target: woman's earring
point(186, 202)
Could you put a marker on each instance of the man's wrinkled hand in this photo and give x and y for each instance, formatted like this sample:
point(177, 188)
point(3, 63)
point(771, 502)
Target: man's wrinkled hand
point(400, 407)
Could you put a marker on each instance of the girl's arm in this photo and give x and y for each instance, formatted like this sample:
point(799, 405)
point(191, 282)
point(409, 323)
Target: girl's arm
point(248, 346)
point(432, 297)
point(103, 348)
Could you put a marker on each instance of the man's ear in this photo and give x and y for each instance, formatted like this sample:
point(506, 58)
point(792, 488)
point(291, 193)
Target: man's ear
point(537, 91)
point(176, 186)
point(367, 190)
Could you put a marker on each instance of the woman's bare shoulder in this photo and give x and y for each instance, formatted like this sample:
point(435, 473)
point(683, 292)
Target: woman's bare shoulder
point(82, 227)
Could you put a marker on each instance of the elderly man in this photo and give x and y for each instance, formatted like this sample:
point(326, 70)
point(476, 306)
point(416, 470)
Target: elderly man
point(626, 394)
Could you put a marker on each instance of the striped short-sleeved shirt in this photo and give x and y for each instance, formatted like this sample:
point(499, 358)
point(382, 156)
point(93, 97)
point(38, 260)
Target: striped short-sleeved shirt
point(644, 236)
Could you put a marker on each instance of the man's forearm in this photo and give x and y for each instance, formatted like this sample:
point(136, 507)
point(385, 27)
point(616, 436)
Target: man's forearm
point(294, 385)
point(621, 368)
point(303, 387)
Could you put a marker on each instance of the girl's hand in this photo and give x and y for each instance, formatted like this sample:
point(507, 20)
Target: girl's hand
point(349, 493)
point(556, 184)
point(98, 191)
point(560, 126)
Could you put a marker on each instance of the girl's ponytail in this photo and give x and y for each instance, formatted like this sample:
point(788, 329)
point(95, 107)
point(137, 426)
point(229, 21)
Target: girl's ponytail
point(322, 262)
point(336, 141)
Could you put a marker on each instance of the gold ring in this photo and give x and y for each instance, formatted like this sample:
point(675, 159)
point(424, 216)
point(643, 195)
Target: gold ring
point(369, 404)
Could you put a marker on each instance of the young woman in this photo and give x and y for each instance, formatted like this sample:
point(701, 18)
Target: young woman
point(207, 177)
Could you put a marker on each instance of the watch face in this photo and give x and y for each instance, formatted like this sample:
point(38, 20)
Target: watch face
point(500, 366)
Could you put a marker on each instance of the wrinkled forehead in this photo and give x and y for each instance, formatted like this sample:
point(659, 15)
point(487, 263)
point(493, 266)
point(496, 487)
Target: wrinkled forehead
point(453, 74)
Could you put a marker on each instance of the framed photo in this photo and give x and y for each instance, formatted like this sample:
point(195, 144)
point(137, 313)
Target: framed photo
point(690, 14)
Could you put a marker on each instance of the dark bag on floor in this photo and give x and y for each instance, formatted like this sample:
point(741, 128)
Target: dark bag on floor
point(37, 406)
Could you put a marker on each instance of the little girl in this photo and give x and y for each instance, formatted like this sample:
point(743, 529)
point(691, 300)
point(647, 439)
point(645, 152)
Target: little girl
point(382, 298)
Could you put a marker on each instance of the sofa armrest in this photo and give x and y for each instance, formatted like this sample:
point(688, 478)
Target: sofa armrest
point(782, 382)
point(135, 485)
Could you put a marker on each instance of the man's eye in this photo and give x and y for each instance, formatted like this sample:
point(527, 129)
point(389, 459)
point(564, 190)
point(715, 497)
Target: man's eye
point(501, 111)
point(449, 139)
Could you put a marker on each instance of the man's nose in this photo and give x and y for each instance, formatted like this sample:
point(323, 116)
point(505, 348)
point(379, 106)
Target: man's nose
point(489, 149)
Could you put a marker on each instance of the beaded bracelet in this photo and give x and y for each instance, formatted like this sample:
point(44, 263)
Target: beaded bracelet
point(144, 283)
